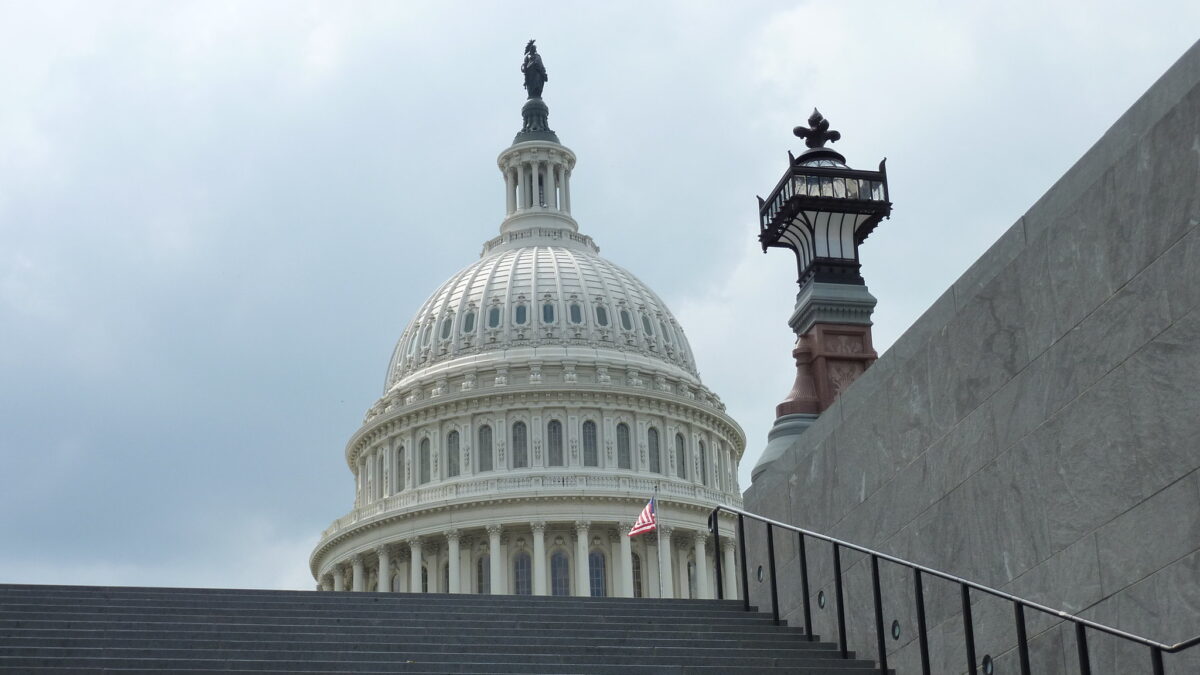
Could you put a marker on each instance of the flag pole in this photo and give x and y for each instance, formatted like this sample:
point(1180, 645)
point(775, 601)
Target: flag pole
point(658, 546)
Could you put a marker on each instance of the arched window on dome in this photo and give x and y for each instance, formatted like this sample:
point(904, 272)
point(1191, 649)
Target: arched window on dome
point(597, 574)
point(703, 464)
point(626, 320)
point(591, 454)
point(623, 455)
point(398, 474)
point(575, 313)
point(719, 475)
point(381, 471)
point(447, 326)
point(494, 317)
point(521, 315)
point(468, 324)
point(485, 448)
point(647, 328)
point(637, 575)
point(548, 312)
point(413, 343)
point(423, 461)
point(560, 574)
point(452, 454)
point(680, 456)
point(662, 330)
point(483, 574)
point(601, 316)
point(652, 450)
point(522, 577)
point(520, 446)
point(426, 334)
point(554, 443)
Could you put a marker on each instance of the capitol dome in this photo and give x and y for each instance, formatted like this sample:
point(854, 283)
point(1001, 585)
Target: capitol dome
point(532, 406)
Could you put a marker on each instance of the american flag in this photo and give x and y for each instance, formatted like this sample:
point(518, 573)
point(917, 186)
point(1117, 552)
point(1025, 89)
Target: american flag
point(647, 521)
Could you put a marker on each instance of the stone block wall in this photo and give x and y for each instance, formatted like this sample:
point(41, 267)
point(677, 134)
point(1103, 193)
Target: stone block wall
point(1036, 430)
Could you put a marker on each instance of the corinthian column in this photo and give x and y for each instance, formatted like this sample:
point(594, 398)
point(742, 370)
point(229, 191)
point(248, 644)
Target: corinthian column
point(664, 562)
point(626, 560)
point(582, 587)
point(497, 568)
point(702, 590)
point(452, 552)
point(385, 569)
point(729, 569)
point(359, 576)
point(539, 557)
point(339, 578)
point(414, 566)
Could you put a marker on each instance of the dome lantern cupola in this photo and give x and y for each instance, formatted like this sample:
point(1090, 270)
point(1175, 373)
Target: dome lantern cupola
point(536, 167)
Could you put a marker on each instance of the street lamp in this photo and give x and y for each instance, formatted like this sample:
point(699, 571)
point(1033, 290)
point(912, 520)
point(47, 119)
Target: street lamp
point(823, 211)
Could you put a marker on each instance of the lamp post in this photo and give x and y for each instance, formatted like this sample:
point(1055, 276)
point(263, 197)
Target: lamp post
point(823, 211)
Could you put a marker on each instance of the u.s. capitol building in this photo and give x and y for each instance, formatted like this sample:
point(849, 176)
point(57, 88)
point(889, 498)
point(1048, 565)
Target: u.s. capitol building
point(532, 406)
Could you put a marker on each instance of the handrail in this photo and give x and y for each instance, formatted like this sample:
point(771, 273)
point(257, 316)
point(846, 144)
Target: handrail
point(1157, 649)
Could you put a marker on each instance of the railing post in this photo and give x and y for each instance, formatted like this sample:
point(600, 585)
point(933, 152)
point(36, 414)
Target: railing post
point(771, 565)
point(1156, 661)
point(745, 572)
point(841, 609)
point(1085, 663)
point(1022, 640)
point(808, 630)
point(716, 535)
point(968, 628)
point(879, 639)
point(922, 630)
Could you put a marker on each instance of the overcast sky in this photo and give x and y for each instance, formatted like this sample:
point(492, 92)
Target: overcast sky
point(216, 218)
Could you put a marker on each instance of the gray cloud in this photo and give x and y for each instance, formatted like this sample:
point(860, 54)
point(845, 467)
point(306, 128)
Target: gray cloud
point(215, 219)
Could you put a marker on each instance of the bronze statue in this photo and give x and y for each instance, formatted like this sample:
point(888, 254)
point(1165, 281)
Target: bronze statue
point(535, 72)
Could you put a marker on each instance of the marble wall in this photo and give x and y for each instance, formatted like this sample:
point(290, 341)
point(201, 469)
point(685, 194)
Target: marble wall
point(1037, 429)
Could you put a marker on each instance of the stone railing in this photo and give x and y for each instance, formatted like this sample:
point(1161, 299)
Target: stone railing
point(592, 484)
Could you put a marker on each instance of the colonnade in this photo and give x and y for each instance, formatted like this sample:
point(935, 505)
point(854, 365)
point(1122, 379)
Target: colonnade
point(578, 558)
point(544, 183)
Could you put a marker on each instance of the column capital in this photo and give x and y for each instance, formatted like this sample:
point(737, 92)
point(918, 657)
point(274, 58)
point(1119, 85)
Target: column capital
point(453, 535)
point(538, 526)
point(665, 532)
point(624, 527)
point(727, 543)
point(383, 549)
point(582, 525)
point(413, 542)
point(358, 559)
point(494, 529)
point(702, 537)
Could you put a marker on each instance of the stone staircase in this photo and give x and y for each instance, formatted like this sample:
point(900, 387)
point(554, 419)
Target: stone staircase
point(79, 629)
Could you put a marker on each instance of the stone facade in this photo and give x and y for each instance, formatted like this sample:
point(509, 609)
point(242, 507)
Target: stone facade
point(1036, 429)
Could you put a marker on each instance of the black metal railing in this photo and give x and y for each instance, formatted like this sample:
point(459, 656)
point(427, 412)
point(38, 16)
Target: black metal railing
point(1156, 649)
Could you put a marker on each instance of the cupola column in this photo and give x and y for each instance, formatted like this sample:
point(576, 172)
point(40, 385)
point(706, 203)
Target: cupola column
point(510, 191)
point(522, 192)
point(566, 191)
point(539, 184)
point(339, 578)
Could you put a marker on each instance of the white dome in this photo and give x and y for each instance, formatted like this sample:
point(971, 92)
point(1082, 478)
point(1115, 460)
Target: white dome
point(541, 301)
point(533, 404)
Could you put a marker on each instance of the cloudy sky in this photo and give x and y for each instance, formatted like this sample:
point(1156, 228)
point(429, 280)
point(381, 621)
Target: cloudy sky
point(217, 217)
